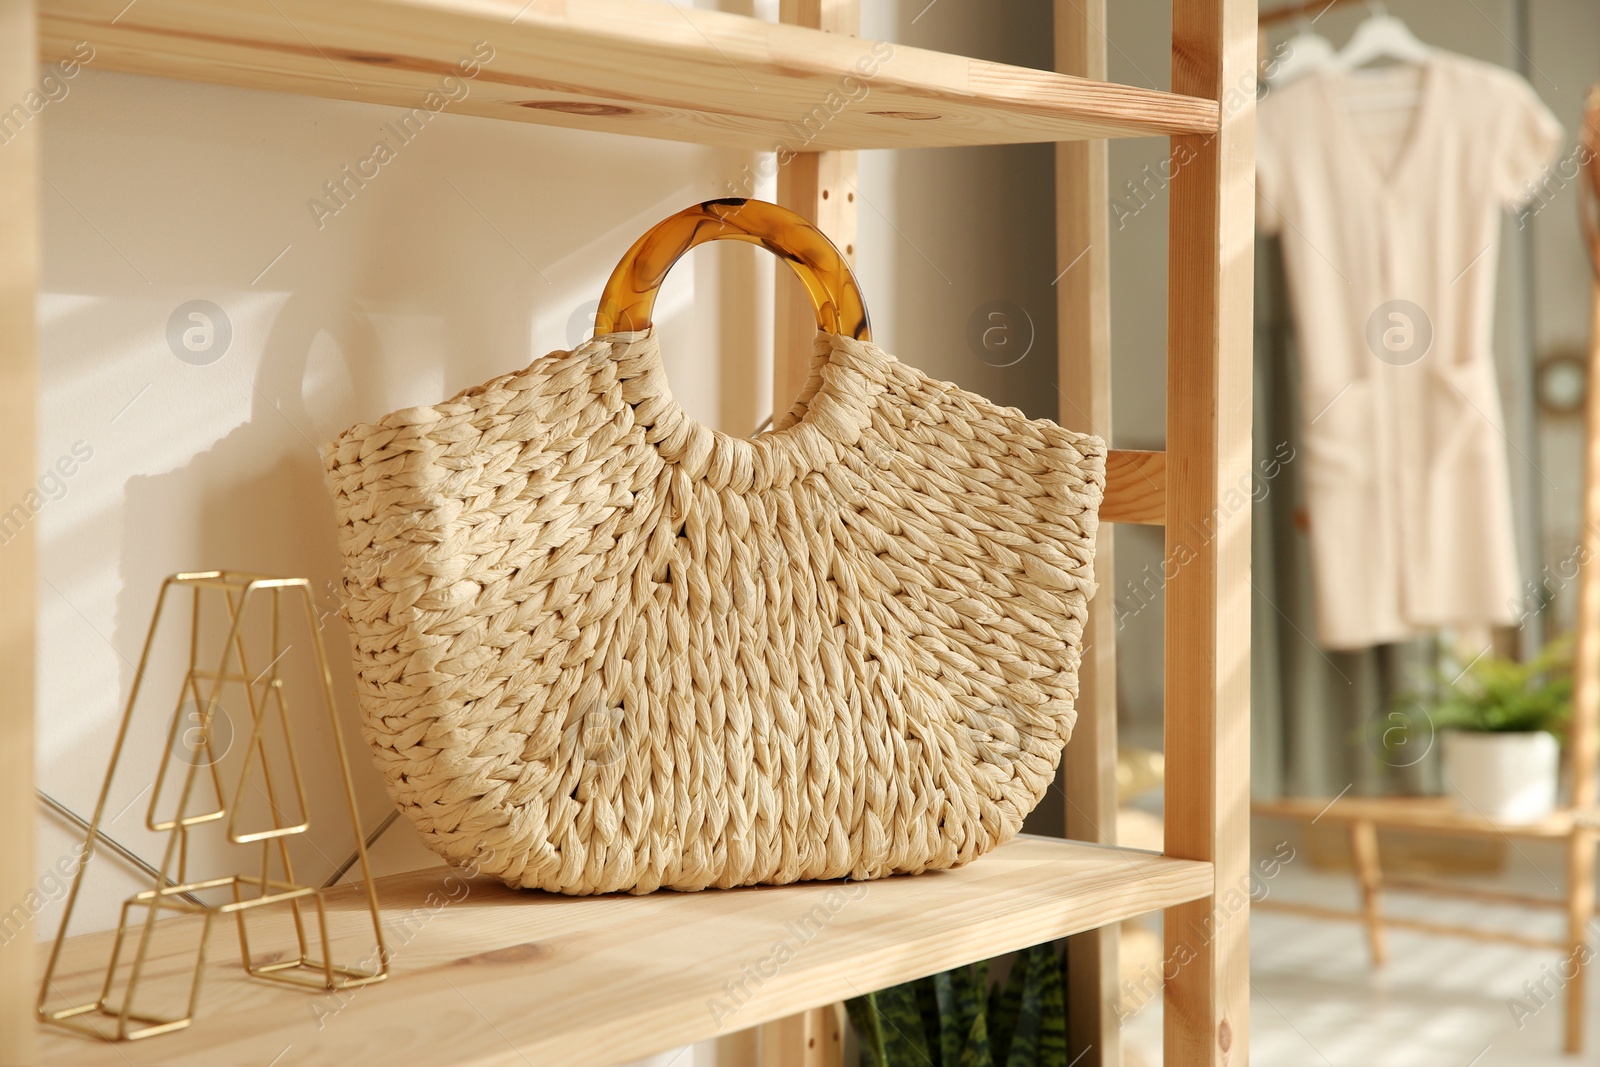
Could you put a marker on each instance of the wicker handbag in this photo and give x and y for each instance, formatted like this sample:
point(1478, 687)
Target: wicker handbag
point(601, 647)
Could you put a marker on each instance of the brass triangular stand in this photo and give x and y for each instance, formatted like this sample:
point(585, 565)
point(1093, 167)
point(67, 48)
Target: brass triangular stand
point(270, 777)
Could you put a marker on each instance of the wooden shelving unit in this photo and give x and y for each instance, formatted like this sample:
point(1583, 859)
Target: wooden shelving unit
point(624, 66)
point(589, 981)
point(609, 979)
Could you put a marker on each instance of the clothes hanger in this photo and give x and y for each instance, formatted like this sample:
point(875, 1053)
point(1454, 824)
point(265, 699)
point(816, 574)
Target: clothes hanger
point(1381, 36)
point(1301, 54)
point(630, 293)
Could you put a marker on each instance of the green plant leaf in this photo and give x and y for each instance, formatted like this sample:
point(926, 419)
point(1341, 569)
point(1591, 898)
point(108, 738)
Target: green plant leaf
point(866, 1021)
point(928, 1008)
point(1053, 1031)
point(1005, 1008)
point(1023, 1050)
point(963, 1024)
point(955, 1019)
point(904, 1044)
point(1498, 695)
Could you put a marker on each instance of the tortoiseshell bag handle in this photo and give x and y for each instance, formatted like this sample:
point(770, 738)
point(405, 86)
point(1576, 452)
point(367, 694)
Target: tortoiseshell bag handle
point(630, 293)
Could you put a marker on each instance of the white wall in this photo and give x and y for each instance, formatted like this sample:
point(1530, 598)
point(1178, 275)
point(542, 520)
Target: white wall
point(469, 255)
point(949, 234)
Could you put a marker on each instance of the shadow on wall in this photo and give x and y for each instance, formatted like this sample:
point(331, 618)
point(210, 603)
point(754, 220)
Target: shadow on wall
point(474, 252)
point(957, 246)
point(257, 503)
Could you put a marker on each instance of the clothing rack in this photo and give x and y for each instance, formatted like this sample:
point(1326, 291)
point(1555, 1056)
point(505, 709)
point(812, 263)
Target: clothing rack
point(1575, 826)
point(604, 980)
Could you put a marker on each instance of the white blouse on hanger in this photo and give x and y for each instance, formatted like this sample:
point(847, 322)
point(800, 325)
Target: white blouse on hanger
point(1388, 186)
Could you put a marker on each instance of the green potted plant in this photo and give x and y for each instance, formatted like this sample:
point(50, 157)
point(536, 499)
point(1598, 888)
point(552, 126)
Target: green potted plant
point(957, 1019)
point(1500, 722)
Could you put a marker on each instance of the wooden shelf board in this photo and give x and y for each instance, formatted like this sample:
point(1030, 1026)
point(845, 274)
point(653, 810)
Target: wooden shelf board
point(499, 978)
point(625, 66)
point(1433, 814)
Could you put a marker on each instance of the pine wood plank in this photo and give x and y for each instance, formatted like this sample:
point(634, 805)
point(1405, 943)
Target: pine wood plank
point(627, 66)
point(1434, 814)
point(1209, 290)
point(19, 270)
point(1136, 487)
point(498, 978)
point(1083, 377)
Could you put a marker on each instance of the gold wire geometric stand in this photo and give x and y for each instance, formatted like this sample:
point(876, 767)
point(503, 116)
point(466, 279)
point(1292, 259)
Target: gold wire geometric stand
point(111, 1018)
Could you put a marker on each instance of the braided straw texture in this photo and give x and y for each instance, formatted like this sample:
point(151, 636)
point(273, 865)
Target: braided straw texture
point(601, 647)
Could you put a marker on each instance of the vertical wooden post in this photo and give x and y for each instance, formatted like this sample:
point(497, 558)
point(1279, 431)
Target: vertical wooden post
point(810, 1039)
point(821, 187)
point(1083, 372)
point(19, 269)
point(1209, 278)
point(1583, 744)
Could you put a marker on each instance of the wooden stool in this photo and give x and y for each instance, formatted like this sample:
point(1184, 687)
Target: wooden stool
point(1364, 815)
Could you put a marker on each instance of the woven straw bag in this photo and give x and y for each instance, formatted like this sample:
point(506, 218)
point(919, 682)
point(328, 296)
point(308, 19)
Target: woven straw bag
point(601, 647)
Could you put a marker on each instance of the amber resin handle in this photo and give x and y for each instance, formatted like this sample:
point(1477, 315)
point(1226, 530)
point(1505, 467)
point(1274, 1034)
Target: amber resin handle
point(630, 294)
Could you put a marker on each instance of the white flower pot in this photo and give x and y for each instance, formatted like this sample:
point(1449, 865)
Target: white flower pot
point(1508, 777)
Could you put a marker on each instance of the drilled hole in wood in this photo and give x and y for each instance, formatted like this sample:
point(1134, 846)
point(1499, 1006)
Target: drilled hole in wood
point(824, 194)
point(850, 198)
point(811, 1042)
point(849, 250)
